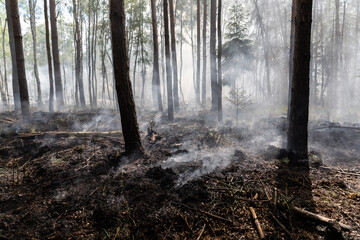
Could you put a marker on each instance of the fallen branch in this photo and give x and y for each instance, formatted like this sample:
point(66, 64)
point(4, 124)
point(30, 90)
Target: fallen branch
point(257, 223)
point(65, 133)
point(318, 218)
point(282, 226)
point(201, 232)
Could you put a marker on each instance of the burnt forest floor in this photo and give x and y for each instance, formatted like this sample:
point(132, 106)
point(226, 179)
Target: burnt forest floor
point(64, 176)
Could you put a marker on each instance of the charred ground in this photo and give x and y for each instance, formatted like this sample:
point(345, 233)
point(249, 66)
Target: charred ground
point(65, 176)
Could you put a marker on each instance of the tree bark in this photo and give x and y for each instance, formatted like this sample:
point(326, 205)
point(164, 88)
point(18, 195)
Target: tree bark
point(32, 7)
point(203, 89)
point(20, 62)
point(5, 65)
point(156, 71)
point(49, 58)
point(168, 64)
point(78, 54)
point(291, 53)
point(198, 63)
point(214, 81)
point(220, 112)
point(299, 109)
point(126, 101)
point(174, 57)
point(56, 58)
point(15, 81)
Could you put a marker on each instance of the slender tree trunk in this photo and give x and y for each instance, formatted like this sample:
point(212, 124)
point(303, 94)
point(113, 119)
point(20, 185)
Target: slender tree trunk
point(214, 81)
point(198, 53)
point(168, 63)
point(5, 64)
point(126, 101)
point(356, 46)
point(78, 55)
point(156, 71)
point(174, 57)
point(49, 58)
point(220, 112)
point(56, 58)
point(299, 108)
point(20, 62)
point(32, 8)
point(203, 89)
point(15, 82)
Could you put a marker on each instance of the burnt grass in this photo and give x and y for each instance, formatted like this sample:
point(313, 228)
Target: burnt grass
point(64, 176)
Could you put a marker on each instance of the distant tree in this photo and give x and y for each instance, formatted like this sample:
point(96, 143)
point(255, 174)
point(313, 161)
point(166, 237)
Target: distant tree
point(32, 8)
point(56, 58)
point(214, 80)
point(15, 82)
point(198, 59)
point(156, 70)
point(126, 101)
point(174, 56)
point(239, 98)
point(297, 143)
point(220, 83)
point(49, 58)
point(168, 64)
point(203, 85)
point(20, 63)
point(236, 51)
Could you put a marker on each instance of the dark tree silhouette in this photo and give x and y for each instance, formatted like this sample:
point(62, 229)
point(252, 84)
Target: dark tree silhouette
point(49, 58)
point(220, 113)
point(203, 85)
point(126, 101)
point(174, 56)
point(20, 62)
point(297, 144)
point(198, 60)
point(214, 82)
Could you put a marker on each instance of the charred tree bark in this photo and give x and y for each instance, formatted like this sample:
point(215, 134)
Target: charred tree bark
point(214, 81)
point(49, 58)
point(220, 113)
point(32, 6)
point(5, 65)
point(156, 71)
point(299, 109)
point(291, 53)
point(78, 54)
point(203, 87)
point(126, 101)
point(174, 57)
point(198, 63)
point(20, 62)
point(56, 58)
point(15, 81)
point(168, 64)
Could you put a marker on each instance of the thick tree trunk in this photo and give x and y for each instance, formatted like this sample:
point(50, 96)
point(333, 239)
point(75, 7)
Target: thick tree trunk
point(299, 109)
point(220, 113)
point(126, 101)
point(174, 57)
point(15, 81)
point(198, 53)
point(156, 71)
point(20, 62)
point(78, 54)
point(203, 87)
point(291, 55)
point(56, 58)
point(49, 58)
point(168, 64)
point(214, 81)
point(32, 7)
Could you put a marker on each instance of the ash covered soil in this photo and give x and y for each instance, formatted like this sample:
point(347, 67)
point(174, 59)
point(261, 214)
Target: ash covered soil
point(64, 176)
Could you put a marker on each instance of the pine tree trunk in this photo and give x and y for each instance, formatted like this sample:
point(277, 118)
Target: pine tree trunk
point(126, 101)
point(49, 58)
point(291, 55)
point(203, 88)
point(156, 71)
point(214, 81)
point(32, 7)
point(220, 112)
point(168, 64)
point(20, 62)
point(299, 109)
point(78, 56)
point(174, 57)
point(56, 58)
point(15, 81)
point(198, 63)
point(5, 65)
